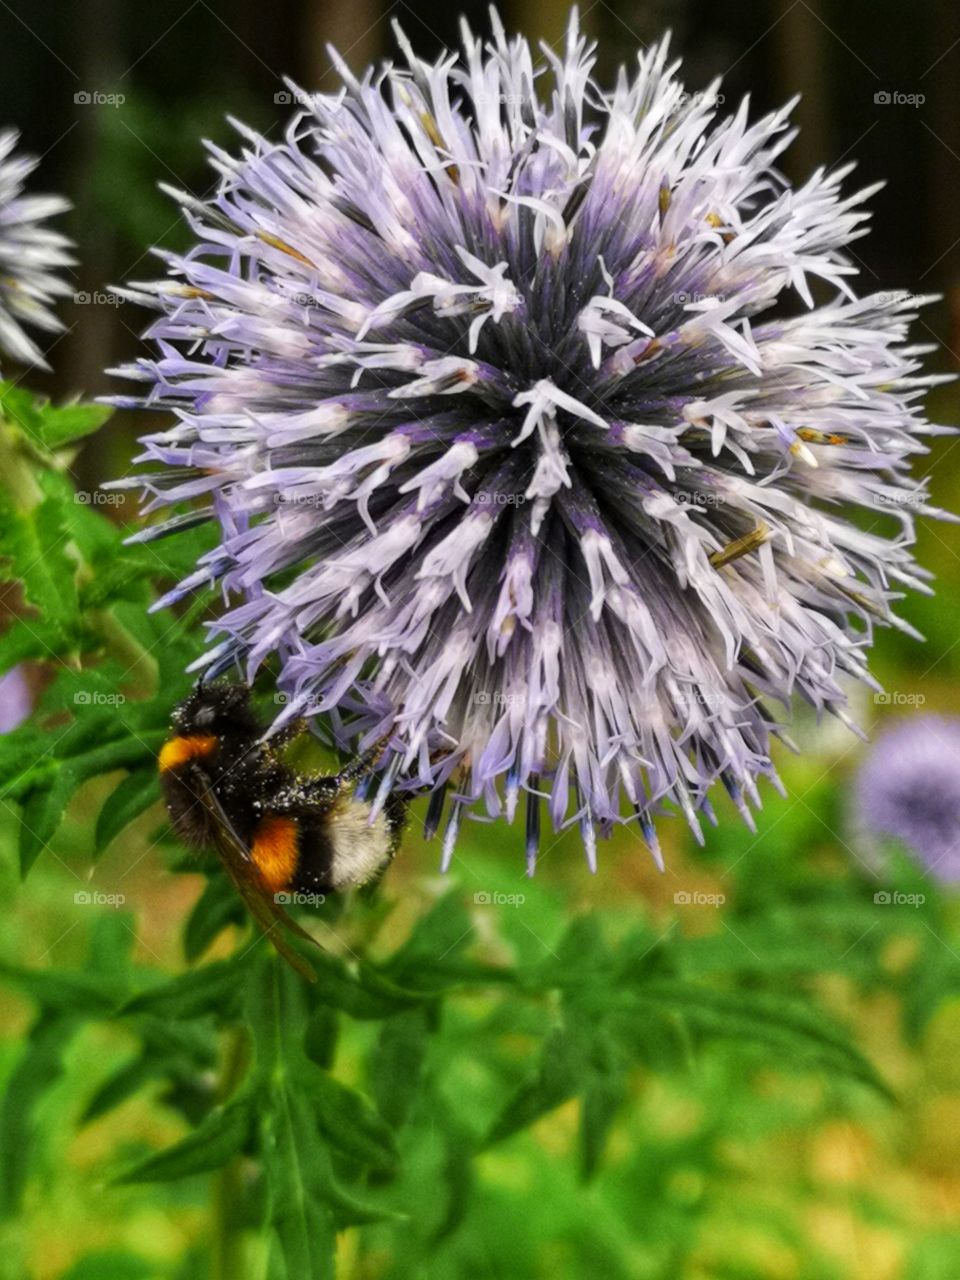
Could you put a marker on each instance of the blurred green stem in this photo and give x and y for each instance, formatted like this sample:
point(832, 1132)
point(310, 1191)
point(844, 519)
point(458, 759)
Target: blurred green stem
point(228, 1253)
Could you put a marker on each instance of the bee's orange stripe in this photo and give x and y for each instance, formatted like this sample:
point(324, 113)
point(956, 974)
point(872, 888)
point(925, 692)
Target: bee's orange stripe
point(180, 751)
point(274, 851)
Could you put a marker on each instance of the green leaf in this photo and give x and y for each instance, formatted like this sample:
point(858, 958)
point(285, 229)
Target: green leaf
point(34, 640)
point(557, 1079)
point(39, 1068)
point(604, 1092)
point(320, 1036)
point(217, 907)
point(46, 425)
point(132, 796)
point(798, 1032)
point(365, 994)
point(214, 988)
point(41, 814)
point(397, 1064)
point(111, 1265)
point(35, 546)
point(118, 1087)
point(298, 1177)
point(429, 959)
point(222, 1135)
point(349, 1121)
point(296, 1165)
point(81, 994)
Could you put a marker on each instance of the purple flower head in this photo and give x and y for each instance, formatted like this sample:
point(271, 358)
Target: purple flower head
point(528, 441)
point(30, 257)
point(908, 789)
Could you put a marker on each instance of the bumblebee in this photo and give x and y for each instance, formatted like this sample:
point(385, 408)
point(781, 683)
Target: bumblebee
point(278, 833)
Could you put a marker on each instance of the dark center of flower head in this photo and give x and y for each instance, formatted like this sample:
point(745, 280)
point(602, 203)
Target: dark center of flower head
point(513, 452)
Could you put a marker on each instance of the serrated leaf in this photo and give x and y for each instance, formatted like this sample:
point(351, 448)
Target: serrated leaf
point(46, 425)
point(35, 546)
point(34, 640)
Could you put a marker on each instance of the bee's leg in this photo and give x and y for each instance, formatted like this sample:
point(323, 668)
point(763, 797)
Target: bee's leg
point(395, 810)
point(305, 795)
point(363, 765)
point(289, 733)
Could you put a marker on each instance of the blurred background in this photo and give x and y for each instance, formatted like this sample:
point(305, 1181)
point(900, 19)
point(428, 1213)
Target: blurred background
point(717, 1170)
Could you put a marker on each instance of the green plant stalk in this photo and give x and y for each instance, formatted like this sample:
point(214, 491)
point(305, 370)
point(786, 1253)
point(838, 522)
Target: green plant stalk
point(228, 1262)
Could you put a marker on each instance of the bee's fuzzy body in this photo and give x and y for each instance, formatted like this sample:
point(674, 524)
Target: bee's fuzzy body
point(302, 834)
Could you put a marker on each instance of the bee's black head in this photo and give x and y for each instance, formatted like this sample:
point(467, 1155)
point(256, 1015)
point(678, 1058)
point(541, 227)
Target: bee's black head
point(217, 709)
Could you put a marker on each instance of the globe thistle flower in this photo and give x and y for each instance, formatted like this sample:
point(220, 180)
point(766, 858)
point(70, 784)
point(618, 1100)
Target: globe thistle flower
point(528, 440)
point(30, 257)
point(908, 789)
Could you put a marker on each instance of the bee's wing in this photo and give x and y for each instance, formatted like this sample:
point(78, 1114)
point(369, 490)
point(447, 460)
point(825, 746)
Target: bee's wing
point(268, 914)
